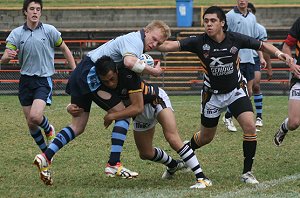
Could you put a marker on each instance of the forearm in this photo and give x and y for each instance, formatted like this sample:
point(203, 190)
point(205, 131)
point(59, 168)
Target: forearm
point(68, 55)
point(130, 111)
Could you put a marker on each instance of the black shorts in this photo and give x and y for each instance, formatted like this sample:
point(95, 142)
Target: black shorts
point(247, 70)
point(34, 87)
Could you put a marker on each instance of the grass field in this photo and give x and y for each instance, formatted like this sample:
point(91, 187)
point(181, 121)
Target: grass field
point(78, 3)
point(79, 167)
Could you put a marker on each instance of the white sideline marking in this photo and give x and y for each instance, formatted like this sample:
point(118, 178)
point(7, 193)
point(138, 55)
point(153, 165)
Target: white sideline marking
point(261, 186)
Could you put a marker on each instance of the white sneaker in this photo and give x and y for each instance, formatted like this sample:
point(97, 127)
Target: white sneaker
point(41, 162)
point(120, 171)
point(259, 122)
point(229, 124)
point(169, 172)
point(249, 178)
point(202, 183)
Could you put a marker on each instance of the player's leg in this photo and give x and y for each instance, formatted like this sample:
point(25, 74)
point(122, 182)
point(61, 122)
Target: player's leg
point(258, 96)
point(144, 143)
point(293, 121)
point(34, 130)
point(42, 96)
point(66, 135)
point(110, 101)
point(242, 110)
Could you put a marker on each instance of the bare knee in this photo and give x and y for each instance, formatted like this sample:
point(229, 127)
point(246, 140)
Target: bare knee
point(34, 120)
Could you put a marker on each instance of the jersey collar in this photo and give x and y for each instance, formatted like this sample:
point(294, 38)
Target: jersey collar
point(236, 10)
point(25, 27)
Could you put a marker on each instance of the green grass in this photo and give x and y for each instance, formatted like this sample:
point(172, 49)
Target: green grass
point(79, 167)
point(103, 3)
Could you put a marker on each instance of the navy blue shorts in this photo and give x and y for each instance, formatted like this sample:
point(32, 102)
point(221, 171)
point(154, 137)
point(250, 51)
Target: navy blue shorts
point(85, 100)
point(34, 87)
point(257, 64)
point(247, 70)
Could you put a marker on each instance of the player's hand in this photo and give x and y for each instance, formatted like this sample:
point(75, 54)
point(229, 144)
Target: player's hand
point(157, 70)
point(11, 54)
point(286, 58)
point(74, 110)
point(107, 120)
point(295, 69)
point(263, 63)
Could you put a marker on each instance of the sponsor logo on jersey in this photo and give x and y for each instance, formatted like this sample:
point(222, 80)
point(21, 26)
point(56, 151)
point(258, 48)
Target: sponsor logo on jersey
point(296, 92)
point(218, 68)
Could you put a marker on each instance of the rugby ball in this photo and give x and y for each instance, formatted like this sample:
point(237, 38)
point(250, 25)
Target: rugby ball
point(147, 59)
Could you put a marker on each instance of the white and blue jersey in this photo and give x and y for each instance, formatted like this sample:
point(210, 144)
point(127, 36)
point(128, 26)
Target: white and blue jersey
point(36, 48)
point(244, 24)
point(84, 76)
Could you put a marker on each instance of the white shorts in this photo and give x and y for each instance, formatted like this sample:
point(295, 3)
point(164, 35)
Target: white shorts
point(147, 119)
point(219, 102)
point(295, 92)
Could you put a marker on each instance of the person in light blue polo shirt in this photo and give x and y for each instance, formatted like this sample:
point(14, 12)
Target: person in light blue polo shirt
point(240, 20)
point(33, 44)
point(257, 94)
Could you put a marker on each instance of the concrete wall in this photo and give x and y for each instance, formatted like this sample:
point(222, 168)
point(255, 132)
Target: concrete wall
point(72, 18)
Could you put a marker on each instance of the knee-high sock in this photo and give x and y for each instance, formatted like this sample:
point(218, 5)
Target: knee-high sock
point(118, 138)
point(62, 138)
point(39, 139)
point(45, 125)
point(190, 159)
point(162, 157)
point(249, 149)
point(258, 101)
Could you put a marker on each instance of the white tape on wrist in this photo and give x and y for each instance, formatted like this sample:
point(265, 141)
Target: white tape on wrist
point(278, 53)
point(139, 66)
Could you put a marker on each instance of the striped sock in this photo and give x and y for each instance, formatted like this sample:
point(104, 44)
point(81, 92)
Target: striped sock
point(284, 126)
point(118, 138)
point(62, 138)
point(258, 101)
point(162, 157)
point(190, 159)
point(39, 139)
point(45, 125)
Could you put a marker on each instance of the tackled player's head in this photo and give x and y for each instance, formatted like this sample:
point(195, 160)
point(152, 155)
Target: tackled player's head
point(156, 33)
point(220, 14)
point(106, 70)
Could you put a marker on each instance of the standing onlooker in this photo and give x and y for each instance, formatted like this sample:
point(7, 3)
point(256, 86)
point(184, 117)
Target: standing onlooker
point(258, 96)
point(34, 44)
point(223, 85)
point(240, 20)
point(292, 122)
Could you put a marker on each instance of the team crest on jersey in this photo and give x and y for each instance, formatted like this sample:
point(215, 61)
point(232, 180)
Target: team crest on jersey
point(205, 49)
point(129, 76)
point(233, 50)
